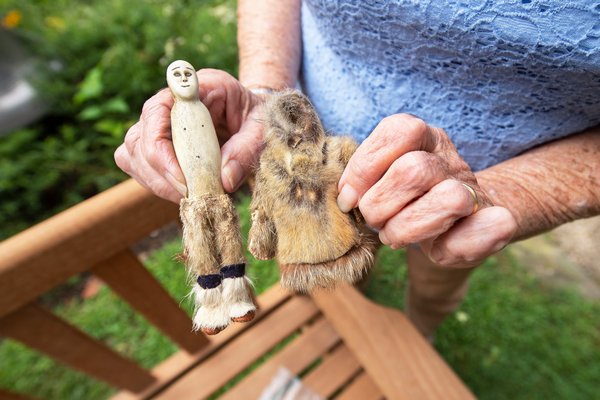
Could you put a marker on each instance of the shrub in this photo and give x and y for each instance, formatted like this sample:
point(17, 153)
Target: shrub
point(98, 62)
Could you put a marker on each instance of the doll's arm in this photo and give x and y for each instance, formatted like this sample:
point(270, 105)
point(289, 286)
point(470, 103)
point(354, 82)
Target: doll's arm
point(263, 236)
point(262, 239)
point(341, 148)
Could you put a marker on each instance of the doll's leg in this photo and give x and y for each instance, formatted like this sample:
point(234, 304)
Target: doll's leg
point(210, 316)
point(201, 258)
point(433, 292)
point(237, 288)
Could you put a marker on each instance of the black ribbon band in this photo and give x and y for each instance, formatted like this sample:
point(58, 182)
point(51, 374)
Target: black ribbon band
point(233, 271)
point(209, 281)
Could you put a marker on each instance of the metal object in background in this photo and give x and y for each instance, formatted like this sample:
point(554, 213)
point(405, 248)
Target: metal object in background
point(19, 102)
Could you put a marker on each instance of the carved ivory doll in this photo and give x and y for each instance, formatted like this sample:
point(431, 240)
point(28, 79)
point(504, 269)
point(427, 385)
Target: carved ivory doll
point(212, 243)
point(295, 217)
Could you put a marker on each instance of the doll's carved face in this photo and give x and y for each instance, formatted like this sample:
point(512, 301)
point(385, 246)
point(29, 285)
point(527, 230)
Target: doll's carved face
point(293, 120)
point(182, 80)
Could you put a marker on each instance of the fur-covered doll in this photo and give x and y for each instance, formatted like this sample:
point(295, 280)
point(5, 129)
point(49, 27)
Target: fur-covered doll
point(213, 251)
point(295, 217)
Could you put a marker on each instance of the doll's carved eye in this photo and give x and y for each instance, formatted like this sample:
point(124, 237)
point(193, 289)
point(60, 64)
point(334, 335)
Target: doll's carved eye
point(188, 74)
point(177, 74)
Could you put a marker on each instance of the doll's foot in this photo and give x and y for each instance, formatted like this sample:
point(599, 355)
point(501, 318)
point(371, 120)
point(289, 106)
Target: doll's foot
point(211, 320)
point(237, 293)
point(211, 331)
point(212, 314)
point(249, 316)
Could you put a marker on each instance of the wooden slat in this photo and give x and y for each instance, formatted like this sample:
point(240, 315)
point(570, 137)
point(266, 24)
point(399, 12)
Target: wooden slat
point(295, 357)
point(361, 388)
point(47, 254)
point(126, 275)
point(6, 395)
point(181, 362)
point(400, 361)
point(241, 352)
point(43, 331)
point(336, 369)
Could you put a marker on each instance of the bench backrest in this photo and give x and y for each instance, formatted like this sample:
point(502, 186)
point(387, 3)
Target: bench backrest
point(95, 236)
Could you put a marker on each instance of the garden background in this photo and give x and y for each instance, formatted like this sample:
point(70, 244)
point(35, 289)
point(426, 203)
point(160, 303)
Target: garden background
point(518, 335)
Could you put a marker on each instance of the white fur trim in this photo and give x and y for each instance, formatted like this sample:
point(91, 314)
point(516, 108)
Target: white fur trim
point(211, 311)
point(237, 294)
point(207, 297)
point(211, 317)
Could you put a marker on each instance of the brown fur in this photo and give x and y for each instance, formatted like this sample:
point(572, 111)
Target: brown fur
point(262, 237)
point(295, 216)
point(211, 240)
point(199, 244)
point(211, 235)
point(350, 268)
point(227, 231)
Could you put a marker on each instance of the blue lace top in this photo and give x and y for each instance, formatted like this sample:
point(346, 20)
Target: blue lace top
point(500, 76)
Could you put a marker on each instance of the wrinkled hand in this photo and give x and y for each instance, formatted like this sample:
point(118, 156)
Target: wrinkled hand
point(407, 180)
point(147, 153)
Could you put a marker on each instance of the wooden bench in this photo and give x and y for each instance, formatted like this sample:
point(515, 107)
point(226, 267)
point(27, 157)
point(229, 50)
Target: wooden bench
point(339, 342)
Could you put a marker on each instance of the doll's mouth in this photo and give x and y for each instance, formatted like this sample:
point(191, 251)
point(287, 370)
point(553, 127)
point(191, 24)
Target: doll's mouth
point(185, 85)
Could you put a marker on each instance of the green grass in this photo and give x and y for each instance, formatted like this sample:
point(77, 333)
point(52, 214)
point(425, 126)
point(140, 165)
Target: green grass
point(514, 337)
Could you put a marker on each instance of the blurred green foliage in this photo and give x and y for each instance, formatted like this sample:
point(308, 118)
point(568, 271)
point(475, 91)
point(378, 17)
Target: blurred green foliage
point(98, 62)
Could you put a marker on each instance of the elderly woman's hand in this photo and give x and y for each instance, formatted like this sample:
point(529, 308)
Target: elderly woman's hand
point(147, 153)
point(410, 183)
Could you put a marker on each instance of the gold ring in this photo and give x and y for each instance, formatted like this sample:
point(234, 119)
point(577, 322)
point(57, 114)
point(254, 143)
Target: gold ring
point(474, 196)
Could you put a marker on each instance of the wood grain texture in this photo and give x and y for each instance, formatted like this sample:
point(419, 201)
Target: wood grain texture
point(128, 277)
point(361, 388)
point(335, 370)
point(181, 362)
point(41, 330)
point(47, 254)
point(232, 359)
point(296, 356)
point(389, 348)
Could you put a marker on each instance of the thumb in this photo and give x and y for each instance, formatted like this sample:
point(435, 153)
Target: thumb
point(240, 153)
point(393, 137)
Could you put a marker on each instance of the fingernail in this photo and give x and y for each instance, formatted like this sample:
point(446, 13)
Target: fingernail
point(177, 184)
point(435, 255)
point(383, 238)
point(342, 180)
point(347, 199)
point(373, 229)
point(233, 173)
